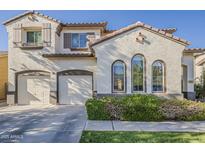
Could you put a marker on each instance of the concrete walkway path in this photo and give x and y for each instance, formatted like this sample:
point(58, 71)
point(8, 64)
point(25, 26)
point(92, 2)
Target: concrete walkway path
point(168, 126)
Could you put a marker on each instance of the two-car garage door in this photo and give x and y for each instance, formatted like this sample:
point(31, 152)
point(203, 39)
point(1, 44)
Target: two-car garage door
point(74, 89)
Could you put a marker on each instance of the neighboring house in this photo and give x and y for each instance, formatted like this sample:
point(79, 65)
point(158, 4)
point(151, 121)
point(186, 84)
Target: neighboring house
point(67, 63)
point(199, 64)
point(3, 74)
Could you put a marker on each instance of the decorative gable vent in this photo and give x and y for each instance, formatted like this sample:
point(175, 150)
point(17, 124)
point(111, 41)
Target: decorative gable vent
point(141, 38)
point(31, 17)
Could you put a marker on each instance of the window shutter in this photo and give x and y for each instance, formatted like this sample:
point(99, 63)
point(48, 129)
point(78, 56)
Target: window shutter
point(17, 35)
point(67, 40)
point(47, 34)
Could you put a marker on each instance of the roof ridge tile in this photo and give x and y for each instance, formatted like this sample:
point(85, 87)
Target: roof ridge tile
point(135, 25)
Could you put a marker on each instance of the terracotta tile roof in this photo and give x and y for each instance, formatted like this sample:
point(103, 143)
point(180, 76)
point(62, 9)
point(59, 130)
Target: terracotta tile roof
point(31, 12)
point(145, 26)
point(109, 31)
point(201, 62)
point(169, 30)
point(74, 54)
point(194, 50)
point(89, 24)
point(106, 31)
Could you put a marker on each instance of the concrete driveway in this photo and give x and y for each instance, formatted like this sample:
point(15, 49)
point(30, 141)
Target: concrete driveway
point(42, 123)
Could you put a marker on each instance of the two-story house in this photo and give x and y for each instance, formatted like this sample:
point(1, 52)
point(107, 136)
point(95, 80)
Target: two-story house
point(67, 63)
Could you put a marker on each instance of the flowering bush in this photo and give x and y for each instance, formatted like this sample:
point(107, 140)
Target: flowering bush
point(144, 108)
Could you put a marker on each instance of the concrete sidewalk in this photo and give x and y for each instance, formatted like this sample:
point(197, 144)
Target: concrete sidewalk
point(168, 126)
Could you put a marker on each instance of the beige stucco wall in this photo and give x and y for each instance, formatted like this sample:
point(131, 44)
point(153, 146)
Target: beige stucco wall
point(124, 47)
point(199, 68)
point(33, 60)
point(188, 60)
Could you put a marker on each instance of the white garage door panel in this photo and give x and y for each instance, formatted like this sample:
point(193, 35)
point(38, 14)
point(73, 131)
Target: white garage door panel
point(75, 89)
point(33, 89)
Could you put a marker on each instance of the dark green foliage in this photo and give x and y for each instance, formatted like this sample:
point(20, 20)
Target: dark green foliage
point(144, 108)
point(200, 87)
point(141, 108)
point(96, 109)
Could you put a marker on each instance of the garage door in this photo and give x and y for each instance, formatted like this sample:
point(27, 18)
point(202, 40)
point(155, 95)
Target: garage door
point(33, 89)
point(75, 89)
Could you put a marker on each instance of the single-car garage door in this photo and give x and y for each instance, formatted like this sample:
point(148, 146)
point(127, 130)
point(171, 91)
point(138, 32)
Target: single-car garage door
point(33, 89)
point(75, 89)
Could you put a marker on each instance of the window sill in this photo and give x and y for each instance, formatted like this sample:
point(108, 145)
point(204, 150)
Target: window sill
point(118, 92)
point(79, 49)
point(138, 92)
point(158, 92)
point(31, 46)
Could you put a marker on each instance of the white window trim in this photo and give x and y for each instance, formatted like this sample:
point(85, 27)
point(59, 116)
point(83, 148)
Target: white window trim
point(32, 30)
point(135, 91)
point(163, 77)
point(113, 89)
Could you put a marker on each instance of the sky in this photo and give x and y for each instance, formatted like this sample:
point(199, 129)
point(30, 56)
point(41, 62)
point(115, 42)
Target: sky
point(190, 24)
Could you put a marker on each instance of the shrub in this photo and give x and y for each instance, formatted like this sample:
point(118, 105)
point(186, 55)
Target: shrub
point(200, 90)
point(141, 108)
point(96, 109)
point(200, 86)
point(115, 110)
point(182, 110)
point(144, 108)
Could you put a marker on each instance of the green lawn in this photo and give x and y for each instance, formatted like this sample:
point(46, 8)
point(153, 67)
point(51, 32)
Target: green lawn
point(141, 137)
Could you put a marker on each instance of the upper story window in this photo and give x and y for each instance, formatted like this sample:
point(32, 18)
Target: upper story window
point(78, 40)
point(34, 37)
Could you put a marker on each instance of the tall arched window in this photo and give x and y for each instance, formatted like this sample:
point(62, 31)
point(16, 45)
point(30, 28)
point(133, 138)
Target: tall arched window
point(158, 76)
point(118, 76)
point(138, 73)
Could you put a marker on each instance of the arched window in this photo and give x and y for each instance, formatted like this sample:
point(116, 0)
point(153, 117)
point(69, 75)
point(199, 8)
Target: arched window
point(118, 76)
point(138, 73)
point(158, 76)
